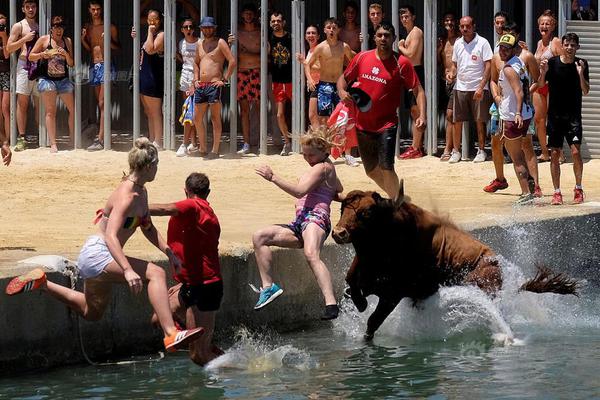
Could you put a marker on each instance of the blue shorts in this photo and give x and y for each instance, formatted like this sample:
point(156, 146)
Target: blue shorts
point(97, 73)
point(327, 98)
point(62, 86)
point(207, 93)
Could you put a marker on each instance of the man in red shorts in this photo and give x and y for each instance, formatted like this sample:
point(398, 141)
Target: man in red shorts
point(193, 235)
point(383, 77)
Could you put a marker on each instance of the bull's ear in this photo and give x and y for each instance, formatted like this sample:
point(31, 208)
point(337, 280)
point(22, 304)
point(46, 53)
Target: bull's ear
point(400, 198)
point(377, 197)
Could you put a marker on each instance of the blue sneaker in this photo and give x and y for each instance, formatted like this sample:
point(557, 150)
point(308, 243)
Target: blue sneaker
point(267, 295)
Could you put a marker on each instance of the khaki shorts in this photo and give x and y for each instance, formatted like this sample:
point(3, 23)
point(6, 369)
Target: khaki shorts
point(24, 85)
point(467, 109)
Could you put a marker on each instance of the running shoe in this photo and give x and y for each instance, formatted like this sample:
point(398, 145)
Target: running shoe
point(267, 295)
point(182, 338)
point(21, 144)
point(455, 157)
point(95, 146)
point(351, 161)
point(27, 282)
point(182, 151)
point(416, 153)
point(557, 199)
point(192, 147)
point(407, 153)
point(525, 199)
point(578, 196)
point(480, 157)
point(537, 192)
point(496, 185)
point(245, 149)
point(331, 312)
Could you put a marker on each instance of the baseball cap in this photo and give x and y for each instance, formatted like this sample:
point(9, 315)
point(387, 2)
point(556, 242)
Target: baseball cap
point(207, 22)
point(361, 98)
point(507, 40)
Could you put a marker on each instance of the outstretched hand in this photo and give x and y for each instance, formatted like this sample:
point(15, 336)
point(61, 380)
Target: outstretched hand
point(265, 171)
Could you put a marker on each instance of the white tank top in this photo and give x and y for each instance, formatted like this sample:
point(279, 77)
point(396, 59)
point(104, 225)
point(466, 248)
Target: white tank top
point(508, 106)
point(188, 53)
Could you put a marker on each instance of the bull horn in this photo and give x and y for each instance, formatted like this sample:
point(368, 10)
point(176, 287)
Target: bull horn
point(400, 198)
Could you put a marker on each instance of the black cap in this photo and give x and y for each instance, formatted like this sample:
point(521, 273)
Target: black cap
point(361, 98)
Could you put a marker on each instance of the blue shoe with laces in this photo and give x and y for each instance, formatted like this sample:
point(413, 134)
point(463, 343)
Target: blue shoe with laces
point(267, 295)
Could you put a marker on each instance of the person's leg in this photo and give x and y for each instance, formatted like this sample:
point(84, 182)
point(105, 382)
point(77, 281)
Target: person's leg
point(199, 112)
point(457, 135)
point(481, 134)
point(530, 158)
point(555, 166)
point(6, 113)
point(245, 119)
point(313, 237)
point(577, 163)
point(540, 104)
point(201, 350)
point(99, 91)
point(22, 106)
point(49, 99)
point(281, 121)
point(274, 235)
point(155, 108)
point(215, 118)
point(313, 116)
point(417, 133)
point(69, 100)
point(147, 112)
point(513, 146)
point(449, 132)
point(498, 157)
point(391, 183)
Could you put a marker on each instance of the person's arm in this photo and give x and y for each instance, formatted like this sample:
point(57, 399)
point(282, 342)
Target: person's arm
point(495, 75)
point(414, 46)
point(484, 80)
point(4, 40)
point(556, 45)
point(229, 57)
point(419, 94)
point(154, 45)
point(515, 84)
point(15, 44)
point(543, 72)
point(342, 85)
point(67, 54)
point(114, 38)
point(350, 74)
point(197, 63)
point(84, 38)
point(315, 176)
point(534, 71)
point(584, 80)
point(348, 54)
point(39, 51)
point(339, 188)
point(162, 210)
point(310, 61)
point(154, 237)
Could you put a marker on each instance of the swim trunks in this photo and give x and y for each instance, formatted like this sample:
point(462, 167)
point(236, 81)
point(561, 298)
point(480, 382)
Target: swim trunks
point(207, 296)
point(249, 84)
point(207, 93)
point(327, 98)
point(97, 73)
point(307, 215)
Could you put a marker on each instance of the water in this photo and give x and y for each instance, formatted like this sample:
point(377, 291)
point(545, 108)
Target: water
point(457, 344)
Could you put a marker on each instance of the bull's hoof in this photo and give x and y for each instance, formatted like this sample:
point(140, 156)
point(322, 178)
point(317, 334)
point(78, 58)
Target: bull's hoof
point(360, 303)
point(368, 336)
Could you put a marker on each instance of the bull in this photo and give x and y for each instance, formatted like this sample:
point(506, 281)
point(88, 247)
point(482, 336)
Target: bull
point(403, 250)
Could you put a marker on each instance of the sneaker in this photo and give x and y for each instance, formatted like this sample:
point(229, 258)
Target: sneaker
point(212, 156)
point(182, 338)
point(416, 153)
point(21, 144)
point(287, 149)
point(331, 312)
point(407, 153)
point(95, 146)
point(480, 157)
point(525, 199)
point(267, 295)
point(557, 199)
point(578, 198)
point(191, 148)
point(455, 157)
point(245, 149)
point(496, 185)
point(182, 151)
point(351, 161)
point(26, 282)
point(537, 192)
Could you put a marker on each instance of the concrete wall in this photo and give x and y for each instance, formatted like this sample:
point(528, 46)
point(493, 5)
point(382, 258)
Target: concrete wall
point(39, 332)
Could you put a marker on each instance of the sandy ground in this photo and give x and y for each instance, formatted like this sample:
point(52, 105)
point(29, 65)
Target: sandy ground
point(48, 201)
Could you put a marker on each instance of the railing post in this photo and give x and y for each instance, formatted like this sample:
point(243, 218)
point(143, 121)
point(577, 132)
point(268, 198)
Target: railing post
point(233, 103)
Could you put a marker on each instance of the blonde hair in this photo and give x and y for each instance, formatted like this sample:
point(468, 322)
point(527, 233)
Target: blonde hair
point(323, 138)
point(549, 14)
point(376, 6)
point(143, 154)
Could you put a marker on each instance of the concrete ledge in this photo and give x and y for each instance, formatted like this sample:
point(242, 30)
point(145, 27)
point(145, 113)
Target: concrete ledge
point(40, 332)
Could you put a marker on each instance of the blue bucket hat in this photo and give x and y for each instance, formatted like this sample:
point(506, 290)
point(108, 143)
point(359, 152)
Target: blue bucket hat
point(207, 22)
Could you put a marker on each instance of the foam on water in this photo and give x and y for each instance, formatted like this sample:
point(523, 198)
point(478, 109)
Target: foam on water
point(257, 353)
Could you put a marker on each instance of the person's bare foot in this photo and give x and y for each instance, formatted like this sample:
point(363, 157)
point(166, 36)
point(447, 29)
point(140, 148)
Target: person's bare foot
point(53, 149)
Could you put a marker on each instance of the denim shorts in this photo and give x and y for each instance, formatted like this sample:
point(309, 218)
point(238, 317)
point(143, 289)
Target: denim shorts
point(62, 86)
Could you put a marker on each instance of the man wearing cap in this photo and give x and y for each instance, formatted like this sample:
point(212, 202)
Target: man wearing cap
point(382, 77)
point(515, 110)
point(211, 54)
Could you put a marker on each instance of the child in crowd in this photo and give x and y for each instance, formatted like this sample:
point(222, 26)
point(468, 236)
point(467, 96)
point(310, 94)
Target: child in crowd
point(315, 191)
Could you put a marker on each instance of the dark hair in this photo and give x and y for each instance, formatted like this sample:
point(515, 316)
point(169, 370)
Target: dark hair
point(198, 183)
point(331, 20)
point(249, 7)
point(385, 25)
point(512, 27)
point(406, 8)
point(276, 13)
point(96, 2)
point(501, 13)
point(571, 37)
point(185, 19)
point(29, 1)
point(351, 4)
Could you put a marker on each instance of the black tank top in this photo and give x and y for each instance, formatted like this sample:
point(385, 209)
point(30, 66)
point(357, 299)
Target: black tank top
point(4, 62)
point(55, 68)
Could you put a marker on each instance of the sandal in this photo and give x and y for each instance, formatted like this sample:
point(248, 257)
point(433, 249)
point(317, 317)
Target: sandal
point(445, 157)
point(542, 159)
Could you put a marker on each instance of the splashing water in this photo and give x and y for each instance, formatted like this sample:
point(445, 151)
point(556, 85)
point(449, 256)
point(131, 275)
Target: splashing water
point(257, 353)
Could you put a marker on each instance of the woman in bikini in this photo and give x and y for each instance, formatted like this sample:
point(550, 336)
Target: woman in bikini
point(102, 261)
point(315, 191)
point(548, 47)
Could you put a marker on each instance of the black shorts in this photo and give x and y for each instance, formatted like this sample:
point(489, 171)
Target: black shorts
point(207, 297)
point(377, 149)
point(207, 94)
point(560, 128)
point(409, 97)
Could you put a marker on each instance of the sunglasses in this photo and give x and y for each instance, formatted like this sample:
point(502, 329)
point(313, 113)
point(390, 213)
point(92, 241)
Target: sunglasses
point(58, 26)
point(187, 27)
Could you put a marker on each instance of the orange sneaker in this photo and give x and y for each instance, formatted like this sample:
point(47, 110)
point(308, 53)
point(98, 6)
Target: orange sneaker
point(578, 196)
point(557, 199)
point(26, 282)
point(182, 338)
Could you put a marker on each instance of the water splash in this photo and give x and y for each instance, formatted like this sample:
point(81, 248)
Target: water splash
point(257, 353)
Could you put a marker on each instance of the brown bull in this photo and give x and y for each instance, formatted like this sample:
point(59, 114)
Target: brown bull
point(403, 250)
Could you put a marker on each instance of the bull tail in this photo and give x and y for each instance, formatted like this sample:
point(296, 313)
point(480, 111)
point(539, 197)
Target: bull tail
point(548, 281)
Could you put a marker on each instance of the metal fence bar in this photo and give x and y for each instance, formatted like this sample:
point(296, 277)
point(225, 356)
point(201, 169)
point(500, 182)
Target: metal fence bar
point(364, 11)
point(107, 77)
point(264, 36)
point(13, 81)
point(78, 71)
point(136, 71)
point(233, 103)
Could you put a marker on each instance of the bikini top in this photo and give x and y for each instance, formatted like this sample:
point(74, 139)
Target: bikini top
point(130, 222)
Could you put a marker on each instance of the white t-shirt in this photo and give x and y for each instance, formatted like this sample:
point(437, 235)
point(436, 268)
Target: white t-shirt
point(188, 52)
point(470, 61)
point(508, 105)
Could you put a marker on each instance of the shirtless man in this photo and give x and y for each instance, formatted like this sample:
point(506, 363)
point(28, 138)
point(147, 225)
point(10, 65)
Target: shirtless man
point(412, 48)
point(248, 69)
point(330, 54)
point(211, 54)
point(92, 39)
point(350, 33)
point(23, 36)
point(445, 47)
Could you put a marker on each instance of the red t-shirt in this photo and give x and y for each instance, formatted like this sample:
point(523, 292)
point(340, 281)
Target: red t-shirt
point(193, 235)
point(385, 82)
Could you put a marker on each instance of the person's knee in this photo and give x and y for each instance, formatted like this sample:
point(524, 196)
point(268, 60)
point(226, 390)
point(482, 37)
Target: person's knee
point(449, 117)
point(156, 273)
point(259, 238)
point(312, 256)
point(575, 152)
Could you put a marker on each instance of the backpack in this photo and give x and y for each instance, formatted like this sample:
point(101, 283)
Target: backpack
point(32, 67)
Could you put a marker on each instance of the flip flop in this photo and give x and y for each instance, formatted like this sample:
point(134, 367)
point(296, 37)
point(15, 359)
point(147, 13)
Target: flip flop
point(542, 159)
point(445, 157)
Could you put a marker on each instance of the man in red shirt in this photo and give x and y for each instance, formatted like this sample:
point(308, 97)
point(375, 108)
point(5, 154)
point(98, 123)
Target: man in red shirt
point(384, 77)
point(193, 235)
